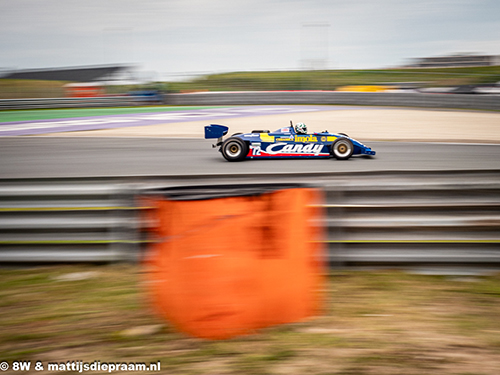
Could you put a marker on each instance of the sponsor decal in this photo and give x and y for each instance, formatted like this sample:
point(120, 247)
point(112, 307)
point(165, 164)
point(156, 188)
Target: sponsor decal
point(264, 137)
point(306, 138)
point(287, 149)
point(323, 139)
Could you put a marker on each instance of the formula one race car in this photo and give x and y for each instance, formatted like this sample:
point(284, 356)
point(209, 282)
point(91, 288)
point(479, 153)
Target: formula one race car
point(287, 142)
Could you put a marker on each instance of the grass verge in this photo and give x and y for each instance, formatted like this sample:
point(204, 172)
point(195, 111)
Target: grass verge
point(373, 323)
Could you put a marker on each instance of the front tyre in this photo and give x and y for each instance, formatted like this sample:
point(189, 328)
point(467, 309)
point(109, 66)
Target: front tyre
point(342, 149)
point(234, 149)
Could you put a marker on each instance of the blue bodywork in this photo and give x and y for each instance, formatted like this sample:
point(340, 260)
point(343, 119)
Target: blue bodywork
point(286, 143)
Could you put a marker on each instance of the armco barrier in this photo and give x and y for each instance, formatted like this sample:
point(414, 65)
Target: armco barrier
point(47, 221)
point(482, 102)
point(39, 103)
point(414, 219)
point(396, 218)
point(424, 100)
point(230, 259)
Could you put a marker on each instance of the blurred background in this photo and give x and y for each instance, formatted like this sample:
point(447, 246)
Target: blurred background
point(114, 47)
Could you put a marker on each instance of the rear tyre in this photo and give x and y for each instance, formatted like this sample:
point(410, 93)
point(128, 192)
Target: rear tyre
point(342, 149)
point(234, 149)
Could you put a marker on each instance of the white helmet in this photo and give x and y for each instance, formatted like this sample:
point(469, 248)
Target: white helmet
point(301, 128)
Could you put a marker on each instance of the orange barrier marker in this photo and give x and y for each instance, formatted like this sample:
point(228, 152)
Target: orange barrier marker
point(225, 267)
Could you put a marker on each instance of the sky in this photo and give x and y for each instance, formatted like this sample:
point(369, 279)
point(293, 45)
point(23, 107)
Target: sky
point(168, 38)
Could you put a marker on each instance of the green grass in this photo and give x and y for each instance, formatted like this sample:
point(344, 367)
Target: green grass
point(50, 114)
point(23, 88)
point(332, 79)
point(372, 323)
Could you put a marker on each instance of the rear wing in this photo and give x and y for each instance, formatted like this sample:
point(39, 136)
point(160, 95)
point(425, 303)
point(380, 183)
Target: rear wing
point(215, 131)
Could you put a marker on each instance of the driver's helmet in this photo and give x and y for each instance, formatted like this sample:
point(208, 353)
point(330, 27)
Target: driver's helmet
point(301, 128)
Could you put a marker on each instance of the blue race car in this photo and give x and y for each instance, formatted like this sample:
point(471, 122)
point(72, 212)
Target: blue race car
point(287, 142)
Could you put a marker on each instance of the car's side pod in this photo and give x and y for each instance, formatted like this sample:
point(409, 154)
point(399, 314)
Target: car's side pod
point(216, 131)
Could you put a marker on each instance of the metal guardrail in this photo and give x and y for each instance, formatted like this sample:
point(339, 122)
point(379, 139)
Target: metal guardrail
point(420, 100)
point(424, 100)
point(390, 219)
point(67, 221)
point(39, 103)
point(443, 218)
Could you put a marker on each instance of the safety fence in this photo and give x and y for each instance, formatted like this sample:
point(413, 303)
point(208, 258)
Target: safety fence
point(39, 103)
point(67, 221)
point(400, 219)
point(402, 99)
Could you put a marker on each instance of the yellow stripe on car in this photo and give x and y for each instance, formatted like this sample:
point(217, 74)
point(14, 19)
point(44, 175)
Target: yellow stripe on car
point(266, 137)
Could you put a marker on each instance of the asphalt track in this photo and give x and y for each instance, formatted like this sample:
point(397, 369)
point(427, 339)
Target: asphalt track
point(42, 157)
point(95, 156)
